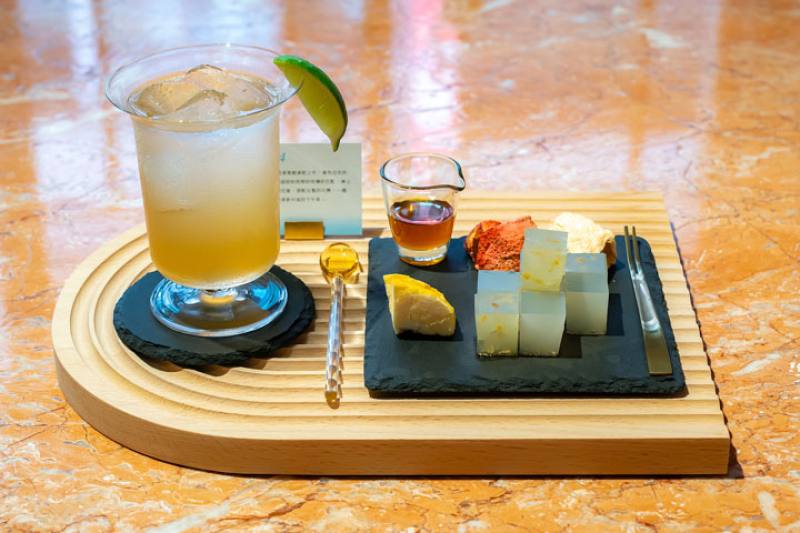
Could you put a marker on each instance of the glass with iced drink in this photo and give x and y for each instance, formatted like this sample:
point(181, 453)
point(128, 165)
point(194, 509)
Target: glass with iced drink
point(206, 122)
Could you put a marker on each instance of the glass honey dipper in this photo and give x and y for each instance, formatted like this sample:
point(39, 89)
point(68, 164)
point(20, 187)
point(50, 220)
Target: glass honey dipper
point(340, 266)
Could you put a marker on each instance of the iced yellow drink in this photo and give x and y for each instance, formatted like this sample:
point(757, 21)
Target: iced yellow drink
point(211, 186)
point(206, 122)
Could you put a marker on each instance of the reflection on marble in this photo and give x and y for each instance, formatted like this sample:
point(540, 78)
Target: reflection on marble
point(695, 99)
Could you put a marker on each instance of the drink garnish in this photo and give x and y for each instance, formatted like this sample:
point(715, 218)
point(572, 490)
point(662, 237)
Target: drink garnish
point(319, 95)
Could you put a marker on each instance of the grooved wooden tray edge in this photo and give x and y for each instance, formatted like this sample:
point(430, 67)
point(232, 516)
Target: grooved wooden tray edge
point(270, 416)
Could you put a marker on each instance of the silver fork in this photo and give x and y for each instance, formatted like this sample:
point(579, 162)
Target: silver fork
point(655, 345)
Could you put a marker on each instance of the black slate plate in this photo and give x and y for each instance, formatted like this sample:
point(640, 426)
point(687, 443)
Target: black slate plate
point(613, 364)
point(143, 334)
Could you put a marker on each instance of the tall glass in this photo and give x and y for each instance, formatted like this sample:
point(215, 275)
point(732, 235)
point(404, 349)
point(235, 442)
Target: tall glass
point(419, 190)
point(211, 191)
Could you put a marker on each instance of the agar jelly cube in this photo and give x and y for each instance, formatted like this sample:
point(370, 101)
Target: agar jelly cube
point(587, 305)
point(589, 267)
point(498, 281)
point(543, 259)
point(541, 322)
point(497, 323)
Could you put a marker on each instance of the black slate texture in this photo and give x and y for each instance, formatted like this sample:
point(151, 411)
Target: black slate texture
point(144, 335)
point(613, 364)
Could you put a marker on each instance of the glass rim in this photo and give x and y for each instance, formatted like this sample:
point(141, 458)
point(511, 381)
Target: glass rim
point(431, 155)
point(124, 107)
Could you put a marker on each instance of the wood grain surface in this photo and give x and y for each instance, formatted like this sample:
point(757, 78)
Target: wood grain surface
point(270, 416)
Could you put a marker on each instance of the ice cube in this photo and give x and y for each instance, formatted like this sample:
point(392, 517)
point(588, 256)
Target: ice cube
point(543, 259)
point(541, 322)
point(587, 304)
point(207, 76)
point(497, 323)
point(202, 93)
point(208, 104)
point(242, 93)
point(164, 97)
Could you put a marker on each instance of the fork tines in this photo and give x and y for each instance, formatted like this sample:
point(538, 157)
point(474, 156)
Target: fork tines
point(655, 344)
point(635, 263)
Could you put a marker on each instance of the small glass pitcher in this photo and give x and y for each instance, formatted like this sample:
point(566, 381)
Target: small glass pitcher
point(419, 190)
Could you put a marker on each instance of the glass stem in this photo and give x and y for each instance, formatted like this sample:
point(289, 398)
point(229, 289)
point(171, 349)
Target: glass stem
point(217, 297)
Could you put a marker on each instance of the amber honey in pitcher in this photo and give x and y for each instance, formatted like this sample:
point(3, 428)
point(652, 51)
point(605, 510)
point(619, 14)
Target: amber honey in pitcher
point(421, 224)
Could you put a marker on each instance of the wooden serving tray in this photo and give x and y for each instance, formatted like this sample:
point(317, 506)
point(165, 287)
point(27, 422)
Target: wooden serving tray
point(269, 417)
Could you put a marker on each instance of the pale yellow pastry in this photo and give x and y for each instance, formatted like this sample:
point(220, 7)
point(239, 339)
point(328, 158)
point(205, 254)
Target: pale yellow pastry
point(586, 236)
point(418, 307)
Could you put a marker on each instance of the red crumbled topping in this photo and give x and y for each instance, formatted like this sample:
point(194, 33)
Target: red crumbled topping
point(494, 245)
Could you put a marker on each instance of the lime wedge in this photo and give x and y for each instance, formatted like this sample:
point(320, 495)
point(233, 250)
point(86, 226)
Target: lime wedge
point(319, 95)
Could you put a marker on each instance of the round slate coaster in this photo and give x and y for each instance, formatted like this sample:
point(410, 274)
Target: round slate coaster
point(142, 333)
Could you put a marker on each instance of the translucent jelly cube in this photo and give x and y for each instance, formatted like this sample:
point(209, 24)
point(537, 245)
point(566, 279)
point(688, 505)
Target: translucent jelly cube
point(590, 267)
point(543, 258)
point(498, 281)
point(541, 322)
point(497, 323)
point(587, 305)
